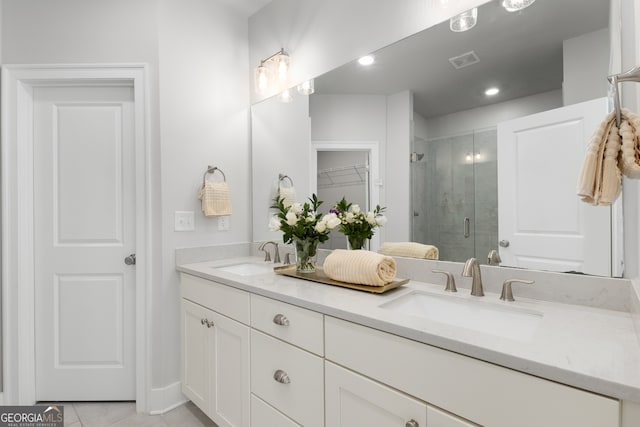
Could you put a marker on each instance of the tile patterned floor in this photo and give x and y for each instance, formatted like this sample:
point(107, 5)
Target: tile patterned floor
point(123, 414)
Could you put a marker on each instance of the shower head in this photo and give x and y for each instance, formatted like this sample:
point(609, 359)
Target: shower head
point(416, 157)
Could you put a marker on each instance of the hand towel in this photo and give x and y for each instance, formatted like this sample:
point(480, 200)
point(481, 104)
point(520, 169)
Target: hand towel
point(288, 195)
point(600, 179)
point(630, 132)
point(360, 267)
point(216, 199)
point(410, 250)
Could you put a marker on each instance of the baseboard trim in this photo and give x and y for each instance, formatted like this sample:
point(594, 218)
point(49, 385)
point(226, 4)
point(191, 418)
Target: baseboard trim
point(162, 400)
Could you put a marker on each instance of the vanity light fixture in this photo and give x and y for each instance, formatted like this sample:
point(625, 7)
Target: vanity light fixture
point(492, 91)
point(306, 88)
point(516, 5)
point(278, 64)
point(366, 60)
point(464, 21)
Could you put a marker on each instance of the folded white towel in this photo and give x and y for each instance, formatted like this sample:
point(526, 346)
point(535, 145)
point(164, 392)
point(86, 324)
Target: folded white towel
point(410, 250)
point(216, 199)
point(288, 195)
point(360, 267)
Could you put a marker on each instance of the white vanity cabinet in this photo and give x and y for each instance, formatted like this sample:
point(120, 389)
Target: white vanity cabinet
point(353, 400)
point(287, 367)
point(472, 389)
point(215, 350)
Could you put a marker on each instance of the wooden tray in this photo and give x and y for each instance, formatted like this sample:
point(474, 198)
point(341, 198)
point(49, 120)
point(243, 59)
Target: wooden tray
point(320, 277)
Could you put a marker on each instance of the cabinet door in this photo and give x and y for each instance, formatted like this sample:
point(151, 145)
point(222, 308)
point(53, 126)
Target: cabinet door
point(438, 418)
point(355, 401)
point(229, 364)
point(195, 349)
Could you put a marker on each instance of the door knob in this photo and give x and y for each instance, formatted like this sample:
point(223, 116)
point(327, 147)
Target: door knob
point(504, 243)
point(130, 260)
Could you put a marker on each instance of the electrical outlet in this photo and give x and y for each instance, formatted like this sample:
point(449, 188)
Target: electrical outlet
point(223, 223)
point(184, 221)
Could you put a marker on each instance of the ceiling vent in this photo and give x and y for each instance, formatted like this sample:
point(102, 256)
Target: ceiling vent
point(464, 60)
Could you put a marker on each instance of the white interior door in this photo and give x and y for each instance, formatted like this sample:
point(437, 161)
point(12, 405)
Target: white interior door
point(545, 223)
point(84, 217)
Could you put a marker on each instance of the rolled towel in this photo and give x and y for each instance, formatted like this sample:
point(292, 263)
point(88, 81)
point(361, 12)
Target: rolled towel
point(360, 267)
point(410, 250)
point(216, 199)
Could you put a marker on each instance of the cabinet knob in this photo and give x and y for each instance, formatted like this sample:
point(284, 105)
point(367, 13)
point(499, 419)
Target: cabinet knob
point(281, 319)
point(412, 423)
point(281, 377)
point(209, 323)
point(202, 321)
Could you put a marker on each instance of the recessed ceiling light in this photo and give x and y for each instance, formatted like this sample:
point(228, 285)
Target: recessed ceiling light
point(366, 60)
point(492, 91)
point(516, 5)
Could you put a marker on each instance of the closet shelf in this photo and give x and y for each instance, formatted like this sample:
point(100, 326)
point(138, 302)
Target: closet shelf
point(343, 176)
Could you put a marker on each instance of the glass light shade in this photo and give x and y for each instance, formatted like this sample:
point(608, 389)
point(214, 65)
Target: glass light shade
point(366, 60)
point(465, 21)
point(285, 96)
point(516, 5)
point(306, 88)
point(283, 63)
point(261, 80)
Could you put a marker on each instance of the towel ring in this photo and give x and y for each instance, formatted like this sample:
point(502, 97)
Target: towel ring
point(212, 169)
point(282, 177)
point(633, 75)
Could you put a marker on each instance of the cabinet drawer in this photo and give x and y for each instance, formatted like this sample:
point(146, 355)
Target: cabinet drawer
point(263, 415)
point(438, 418)
point(231, 302)
point(299, 326)
point(302, 399)
point(478, 391)
point(355, 401)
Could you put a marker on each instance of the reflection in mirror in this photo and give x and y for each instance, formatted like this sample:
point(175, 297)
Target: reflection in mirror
point(343, 174)
point(551, 55)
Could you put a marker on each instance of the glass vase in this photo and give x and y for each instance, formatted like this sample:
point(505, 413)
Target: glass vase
point(306, 251)
point(355, 242)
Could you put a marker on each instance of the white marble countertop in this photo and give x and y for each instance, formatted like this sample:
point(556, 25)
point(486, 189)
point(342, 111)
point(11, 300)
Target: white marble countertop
point(589, 348)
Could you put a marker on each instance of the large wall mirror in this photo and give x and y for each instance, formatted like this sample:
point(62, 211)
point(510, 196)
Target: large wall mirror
point(545, 61)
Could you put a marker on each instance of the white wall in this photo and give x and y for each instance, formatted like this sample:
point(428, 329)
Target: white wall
point(585, 66)
point(490, 115)
point(322, 35)
point(197, 56)
point(397, 175)
point(386, 120)
point(280, 145)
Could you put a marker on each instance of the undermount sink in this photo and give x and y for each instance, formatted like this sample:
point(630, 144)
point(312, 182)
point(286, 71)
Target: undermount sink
point(247, 268)
point(495, 319)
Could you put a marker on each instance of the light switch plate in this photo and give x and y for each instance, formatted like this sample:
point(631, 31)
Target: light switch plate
point(223, 223)
point(184, 221)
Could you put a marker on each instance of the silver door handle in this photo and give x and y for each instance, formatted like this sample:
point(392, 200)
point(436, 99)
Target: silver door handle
point(504, 243)
point(130, 260)
point(412, 423)
point(467, 223)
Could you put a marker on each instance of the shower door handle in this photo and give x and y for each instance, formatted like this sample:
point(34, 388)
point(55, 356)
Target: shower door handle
point(466, 227)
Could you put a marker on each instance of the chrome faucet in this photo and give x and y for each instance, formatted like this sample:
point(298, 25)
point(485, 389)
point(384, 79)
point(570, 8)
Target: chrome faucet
point(472, 269)
point(267, 255)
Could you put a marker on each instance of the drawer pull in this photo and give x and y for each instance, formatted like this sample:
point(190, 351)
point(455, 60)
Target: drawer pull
point(412, 423)
point(281, 319)
point(209, 323)
point(202, 321)
point(281, 377)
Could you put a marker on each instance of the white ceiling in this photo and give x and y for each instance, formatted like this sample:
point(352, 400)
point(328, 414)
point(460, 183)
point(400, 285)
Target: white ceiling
point(519, 52)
